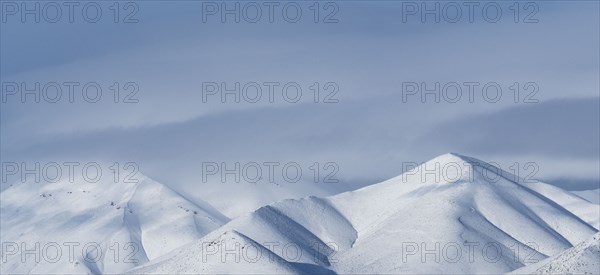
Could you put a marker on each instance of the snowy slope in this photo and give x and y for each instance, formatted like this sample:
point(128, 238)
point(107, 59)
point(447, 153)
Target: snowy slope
point(583, 258)
point(474, 219)
point(469, 203)
point(583, 208)
point(102, 227)
point(242, 255)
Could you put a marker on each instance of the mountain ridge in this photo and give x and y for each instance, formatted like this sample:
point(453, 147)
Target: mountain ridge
point(120, 225)
point(369, 229)
point(449, 205)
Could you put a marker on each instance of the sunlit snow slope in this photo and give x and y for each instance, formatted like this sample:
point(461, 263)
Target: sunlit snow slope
point(584, 258)
point(468, 217)
point(111, 227)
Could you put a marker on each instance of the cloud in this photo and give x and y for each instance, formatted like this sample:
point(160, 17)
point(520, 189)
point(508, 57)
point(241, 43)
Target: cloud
point(369, 133)
point(559, 128)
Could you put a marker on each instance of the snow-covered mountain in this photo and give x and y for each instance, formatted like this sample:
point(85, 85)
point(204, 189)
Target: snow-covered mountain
point(583, 258)
point(452, 214)
point(464, 217)
point(103, 227)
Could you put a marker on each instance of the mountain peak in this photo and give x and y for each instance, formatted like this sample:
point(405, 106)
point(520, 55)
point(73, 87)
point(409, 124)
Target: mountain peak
point(446, 168)
point(453, 157)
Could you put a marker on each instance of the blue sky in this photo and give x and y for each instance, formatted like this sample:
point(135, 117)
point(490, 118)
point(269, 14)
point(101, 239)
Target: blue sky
point(368, 53)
